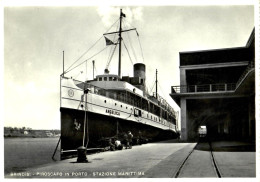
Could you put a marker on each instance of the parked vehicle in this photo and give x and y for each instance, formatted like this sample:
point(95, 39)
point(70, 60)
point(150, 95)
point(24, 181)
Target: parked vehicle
point(202, 131)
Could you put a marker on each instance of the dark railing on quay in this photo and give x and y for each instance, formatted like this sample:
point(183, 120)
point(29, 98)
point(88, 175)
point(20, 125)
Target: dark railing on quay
point(204, 88)
point(213, 87)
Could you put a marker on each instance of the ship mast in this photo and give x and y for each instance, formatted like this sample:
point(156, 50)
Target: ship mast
point(93, 61)
point(156, 83)
point(120, 39)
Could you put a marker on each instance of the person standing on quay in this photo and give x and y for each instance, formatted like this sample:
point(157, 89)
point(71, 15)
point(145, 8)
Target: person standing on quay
point(125, 140)
point(130, 139)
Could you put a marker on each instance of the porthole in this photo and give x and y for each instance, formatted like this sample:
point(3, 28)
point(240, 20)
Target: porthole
point(121, 106)
point(105, 101)
point(126, 107)
point(115, 104)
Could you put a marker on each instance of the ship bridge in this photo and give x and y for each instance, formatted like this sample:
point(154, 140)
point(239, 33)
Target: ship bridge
point(111, 82)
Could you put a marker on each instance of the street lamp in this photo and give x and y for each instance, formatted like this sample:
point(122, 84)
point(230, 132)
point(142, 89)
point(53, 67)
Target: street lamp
point(82, 150)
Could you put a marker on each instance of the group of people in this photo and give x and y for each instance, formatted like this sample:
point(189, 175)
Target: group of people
point(127, 142)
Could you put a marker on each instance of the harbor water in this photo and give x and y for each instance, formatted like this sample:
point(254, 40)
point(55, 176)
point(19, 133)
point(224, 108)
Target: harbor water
point(23, 153)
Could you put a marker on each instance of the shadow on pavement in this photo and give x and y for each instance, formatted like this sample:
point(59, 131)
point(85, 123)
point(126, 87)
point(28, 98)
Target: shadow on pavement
point(226, 146)
point(173, 141)
point(235, 148)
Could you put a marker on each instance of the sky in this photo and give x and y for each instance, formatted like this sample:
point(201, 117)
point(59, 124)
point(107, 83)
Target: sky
point(34, 38)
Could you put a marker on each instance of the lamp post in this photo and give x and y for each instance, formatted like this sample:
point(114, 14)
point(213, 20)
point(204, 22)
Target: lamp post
point(82, 150)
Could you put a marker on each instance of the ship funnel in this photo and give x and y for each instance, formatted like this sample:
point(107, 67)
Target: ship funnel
point(139, 71)
point(139, 76)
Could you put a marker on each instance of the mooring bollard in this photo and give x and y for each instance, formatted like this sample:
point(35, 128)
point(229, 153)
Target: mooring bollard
point(82, 154)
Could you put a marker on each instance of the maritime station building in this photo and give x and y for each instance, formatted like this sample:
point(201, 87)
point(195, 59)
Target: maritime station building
point(217, 90)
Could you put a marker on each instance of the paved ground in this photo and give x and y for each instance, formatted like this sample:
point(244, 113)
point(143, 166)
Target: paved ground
point(199, 164)
point(153, 160)
point(235, 159)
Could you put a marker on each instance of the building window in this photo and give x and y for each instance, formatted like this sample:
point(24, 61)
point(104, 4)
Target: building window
point(110, 78)
point(100, 79)
point(105, 78)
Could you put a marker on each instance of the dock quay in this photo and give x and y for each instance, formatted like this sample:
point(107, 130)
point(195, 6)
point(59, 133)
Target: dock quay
point(167, 159)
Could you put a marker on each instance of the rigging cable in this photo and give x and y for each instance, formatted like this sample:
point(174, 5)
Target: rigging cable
point(152, 87)
point(161, 90)
point(82, 55)
point(139, 42)
point(109, 61)
point(140, 45)
point(130, 42)
point(86, 60)
point(128, 53)
point(77, 75)
point(89, 48)
point(111, 53)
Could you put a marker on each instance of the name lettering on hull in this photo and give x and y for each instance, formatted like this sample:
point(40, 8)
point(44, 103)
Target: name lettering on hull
point(110, 111)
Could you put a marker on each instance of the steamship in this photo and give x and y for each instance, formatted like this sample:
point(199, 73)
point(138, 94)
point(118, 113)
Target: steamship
point(109, 105)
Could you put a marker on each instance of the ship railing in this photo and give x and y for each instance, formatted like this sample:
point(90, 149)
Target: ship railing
point(163, 103)
point(204, 88)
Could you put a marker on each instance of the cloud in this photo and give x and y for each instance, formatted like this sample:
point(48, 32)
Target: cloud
point(110, 14)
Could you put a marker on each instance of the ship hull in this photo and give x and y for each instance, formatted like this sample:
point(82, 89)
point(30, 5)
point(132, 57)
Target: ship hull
point(98, 127)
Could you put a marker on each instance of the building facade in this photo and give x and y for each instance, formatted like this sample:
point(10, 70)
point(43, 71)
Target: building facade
point(217, 90)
